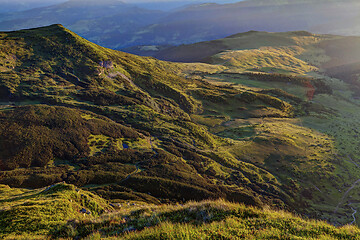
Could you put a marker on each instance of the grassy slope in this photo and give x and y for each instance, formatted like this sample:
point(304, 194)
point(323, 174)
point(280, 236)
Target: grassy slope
point(130, 134)
point(56, 212)
point(35, 212)
point(232, 221)
point(332, 114)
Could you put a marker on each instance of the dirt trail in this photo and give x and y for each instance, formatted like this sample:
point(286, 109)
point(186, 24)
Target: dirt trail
point(345, 194)
point(113, 75)
point(352, 161)
point(152, 147)
point(353, 215)
point(132, 173)
point(137, 170)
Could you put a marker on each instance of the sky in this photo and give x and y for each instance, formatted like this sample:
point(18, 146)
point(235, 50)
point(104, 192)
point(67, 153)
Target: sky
point(186, 1)
point(173, 4)
point(19, 5)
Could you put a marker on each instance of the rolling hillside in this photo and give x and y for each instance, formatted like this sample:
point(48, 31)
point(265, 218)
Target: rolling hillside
point(289, 52)
point(131, 128)
point(128, 121)
point(319, 69)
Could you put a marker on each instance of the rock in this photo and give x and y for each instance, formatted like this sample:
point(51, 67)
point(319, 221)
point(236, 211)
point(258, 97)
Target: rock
point(130, 229)
point(106, 64)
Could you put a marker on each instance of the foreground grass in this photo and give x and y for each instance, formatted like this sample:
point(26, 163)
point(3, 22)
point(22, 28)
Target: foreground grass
point(55, 213)
point(29, 213)
point(232, 228)
point(204, 220)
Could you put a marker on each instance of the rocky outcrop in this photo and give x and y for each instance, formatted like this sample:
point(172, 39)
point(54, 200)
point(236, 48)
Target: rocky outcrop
point(106, 64)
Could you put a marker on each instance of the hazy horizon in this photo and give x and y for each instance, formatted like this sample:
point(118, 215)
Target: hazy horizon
point(21, 5)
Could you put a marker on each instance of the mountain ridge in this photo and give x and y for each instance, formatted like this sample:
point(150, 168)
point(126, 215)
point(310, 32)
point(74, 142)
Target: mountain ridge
point(125, 28)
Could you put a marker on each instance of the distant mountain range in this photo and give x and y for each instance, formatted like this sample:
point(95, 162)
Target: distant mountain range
point(213, 21)
point(119, 25)
point(22, 5)
point(107, 22)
